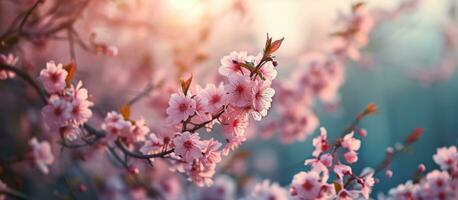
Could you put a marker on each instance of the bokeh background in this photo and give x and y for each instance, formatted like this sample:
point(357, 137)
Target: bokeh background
point(397, 47)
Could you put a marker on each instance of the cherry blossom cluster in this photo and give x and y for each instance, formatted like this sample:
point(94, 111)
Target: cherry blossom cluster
point(246, 92)
point(68, 105)
point(320, 77)
point(437, 184)
point(321, 74)
point(316, 183)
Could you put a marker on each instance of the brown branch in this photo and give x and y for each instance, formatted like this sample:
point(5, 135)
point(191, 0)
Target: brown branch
point(201, 125)
point(139, 155)
point(43, 95)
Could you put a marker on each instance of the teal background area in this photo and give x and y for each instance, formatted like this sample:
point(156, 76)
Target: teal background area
point(403, 105)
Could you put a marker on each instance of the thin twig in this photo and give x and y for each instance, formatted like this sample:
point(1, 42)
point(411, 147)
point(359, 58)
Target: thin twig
point(43, 95)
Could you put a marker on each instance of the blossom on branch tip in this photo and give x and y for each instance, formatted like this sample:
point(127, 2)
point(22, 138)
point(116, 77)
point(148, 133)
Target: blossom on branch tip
point(53, 77)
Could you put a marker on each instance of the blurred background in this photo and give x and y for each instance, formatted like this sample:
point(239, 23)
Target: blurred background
point(169, 39)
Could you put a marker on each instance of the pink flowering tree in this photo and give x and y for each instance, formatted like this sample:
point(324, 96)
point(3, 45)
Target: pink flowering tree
point(115, 102)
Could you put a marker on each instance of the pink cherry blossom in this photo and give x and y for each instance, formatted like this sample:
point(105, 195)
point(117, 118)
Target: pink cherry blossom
point(342, 170)
point(268, 191)
point(223, 188)
point(351, 156)
point(305, 185)
point(367, 184)
point(446, 158)
point(262, 99)
point(201, 175)
point(239, 91)
point(267, 71)
point(320, 143)
point(11, 60)
point(232, 143)
point(57, 112)
point(212, 152)
point(188, 146)
point(351, 143)
point(235, 122)
point(152, 144)
point(115, 125)
point(53, 77)
point(42, 154)
point(215, 97)
point(139, 130)
point(180, 108)
point(232, 63)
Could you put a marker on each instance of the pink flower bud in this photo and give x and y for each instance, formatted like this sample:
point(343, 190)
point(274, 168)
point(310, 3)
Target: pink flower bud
point(421, 168)
point(351, 157)
point(389, 173)
point(362, 132)
point(389, 150)
point(134, 170)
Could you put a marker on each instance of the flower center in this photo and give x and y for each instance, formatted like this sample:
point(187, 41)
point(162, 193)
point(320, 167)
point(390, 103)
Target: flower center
point(188, 145)
point(182, 107)
point(307, 185)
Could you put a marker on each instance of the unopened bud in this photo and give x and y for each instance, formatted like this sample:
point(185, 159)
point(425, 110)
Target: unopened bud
point(362, 132)
point(421, 168)
point(389, 173)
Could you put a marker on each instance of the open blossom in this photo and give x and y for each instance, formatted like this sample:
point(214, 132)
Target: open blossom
point(223, 188)
point(212, 152)
point(53, 77)
point(320, 143)
point(201, 175)
point(188, 146)
point(11, 60)
point(139, 130)
point(152, 144)
point(80, 107)
point(367, 183)
point(57, 112)
point(267, 191)
point(262, 99)
point(180, 108)
point(267, 71)
point(42, 154)
point(306, 185)
point(351, 143)
point(115, 125)
point(239, 90)
point(235, 122)
point(232, 143)
point(232, 63)
point(446, 158)
point(215, 97)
